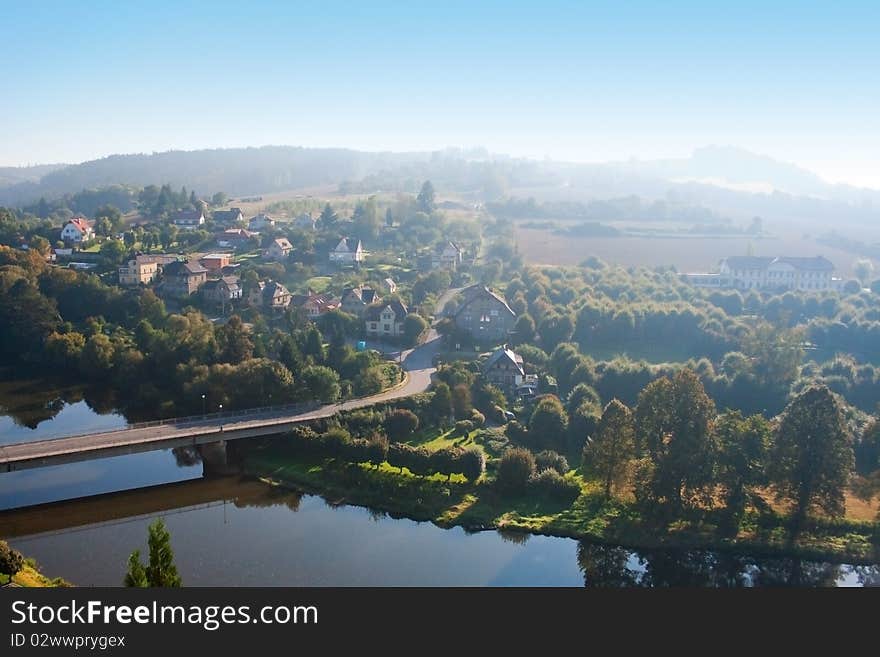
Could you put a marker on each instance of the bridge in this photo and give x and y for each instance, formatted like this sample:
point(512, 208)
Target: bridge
point(202, 429)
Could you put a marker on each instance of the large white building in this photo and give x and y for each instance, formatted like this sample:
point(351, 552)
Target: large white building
point(769, 273)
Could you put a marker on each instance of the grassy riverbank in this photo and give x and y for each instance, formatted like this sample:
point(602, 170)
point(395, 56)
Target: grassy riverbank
point(479, 506)
point(30, 577)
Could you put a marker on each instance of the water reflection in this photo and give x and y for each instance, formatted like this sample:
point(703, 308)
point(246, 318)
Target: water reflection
point(615, 566)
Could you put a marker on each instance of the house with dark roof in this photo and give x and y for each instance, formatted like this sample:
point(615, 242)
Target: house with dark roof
point(484, 314)
point(349, 251)
point(356, 299)
point(143, 269)
point(261, 222)
point(228, 217)
point(446, 256)
point(313, 304)
point(385, 320)
point(180, 279)
point(769, 273)
point(270, 295)
point(188, 219)
point(504, 369)
point(222, 290)
point(234, 237)
point(77, 230)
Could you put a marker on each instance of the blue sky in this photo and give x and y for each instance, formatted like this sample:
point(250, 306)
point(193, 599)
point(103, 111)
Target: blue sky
point(579, 81)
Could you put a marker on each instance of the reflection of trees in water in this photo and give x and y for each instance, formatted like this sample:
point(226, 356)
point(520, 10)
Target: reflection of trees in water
point(270, 496)
point(376, 514)
point(510, 536)
point(610, 565)
point(101, 400)
point(186, 456)
point(30, 403)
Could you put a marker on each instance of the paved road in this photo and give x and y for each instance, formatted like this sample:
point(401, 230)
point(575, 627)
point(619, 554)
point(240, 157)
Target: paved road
point(417, 363)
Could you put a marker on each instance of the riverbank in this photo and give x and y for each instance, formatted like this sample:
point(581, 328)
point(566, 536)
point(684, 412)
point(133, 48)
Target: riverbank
point(480, 506)
point(30, 577)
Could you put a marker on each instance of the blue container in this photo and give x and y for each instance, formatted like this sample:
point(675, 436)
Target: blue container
point(362, 345)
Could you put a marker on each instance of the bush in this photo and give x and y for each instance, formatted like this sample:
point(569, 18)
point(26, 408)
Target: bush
point(11, 560)
point(498, 414)
point(516, 468)
point(550, 483)
point(550, 459)
point(477, 418)
point(400, 424)
point(463, 427)
point(517, 433)
point(472, 463)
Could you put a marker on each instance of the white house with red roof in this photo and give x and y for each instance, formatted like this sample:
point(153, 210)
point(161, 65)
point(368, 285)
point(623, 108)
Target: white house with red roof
point(77, 231)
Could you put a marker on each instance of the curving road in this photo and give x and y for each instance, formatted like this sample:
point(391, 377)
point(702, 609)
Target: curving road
point(417, 363)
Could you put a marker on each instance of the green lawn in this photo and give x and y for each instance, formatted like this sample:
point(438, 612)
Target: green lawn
point(319, 283)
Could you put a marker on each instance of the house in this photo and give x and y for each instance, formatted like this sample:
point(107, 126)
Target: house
point(305, 221)
point(143, 269)
point(385, 319)
point(447, 256)
point(215, 262)
point(270, 294)
point(768, 273)
point(234, 237)
point(484, 314)
point(349, 251)
point(228, 217)
point(261, 222)
point(356, 299)
point(504, 369)
point(189, 219)
point(314, 305)
point(77, 230)
point(279, 249)
point(182, 278)
point(222, 290)
point(390, 285)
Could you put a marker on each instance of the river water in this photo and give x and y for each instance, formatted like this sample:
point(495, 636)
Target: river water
point(230, 531)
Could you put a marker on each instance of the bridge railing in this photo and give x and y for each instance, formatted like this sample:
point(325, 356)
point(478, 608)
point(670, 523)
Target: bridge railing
point(290, 409)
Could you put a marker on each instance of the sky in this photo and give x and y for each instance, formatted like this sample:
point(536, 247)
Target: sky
point(579, 81)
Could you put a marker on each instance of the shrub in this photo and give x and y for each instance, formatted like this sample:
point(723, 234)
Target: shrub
point(477, 418)
point(552, 460)
point(517, 432)
point(550, 483)
point(335, 441)
point(400, 424)
point(472, 463)
point(463, 427)
point(11, 560)
point(516, 468)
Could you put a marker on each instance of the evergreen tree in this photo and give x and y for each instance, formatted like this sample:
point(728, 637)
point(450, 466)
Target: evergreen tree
point(425, 199)
point(160, 571)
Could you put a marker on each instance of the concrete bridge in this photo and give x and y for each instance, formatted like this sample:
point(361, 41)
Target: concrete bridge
point(201, 430)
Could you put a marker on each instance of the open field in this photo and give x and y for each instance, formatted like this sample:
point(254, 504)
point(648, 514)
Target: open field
point(684, 253)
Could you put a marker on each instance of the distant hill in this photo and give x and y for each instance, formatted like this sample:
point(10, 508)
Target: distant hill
point(13, 175)
point(236, 171)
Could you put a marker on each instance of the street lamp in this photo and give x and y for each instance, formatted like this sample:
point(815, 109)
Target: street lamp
point(204, 405)
point(221, 408)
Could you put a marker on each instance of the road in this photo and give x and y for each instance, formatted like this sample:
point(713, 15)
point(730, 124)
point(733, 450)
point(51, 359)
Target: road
point(417, 363)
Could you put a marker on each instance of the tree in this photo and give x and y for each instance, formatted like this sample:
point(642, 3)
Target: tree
point(812, 455)
point(322, 383)
point(235, 344)
point(461, 402)
point(366, 218)
point(11, 560)
point(440, 406)
point(863, 268)
point(413, 327)
point(875, 286)
point(400, 424)
point(220, 198)
point(776, 353)
point(673, 425)
point(472, 463)
point(611, 450)
point(328, 218)
point(742, 450)
point(113, 252)
point(425, 199)
point(852, 286)
point(548, 424)
point(516, 468)
point(160, 571)
point(524, 329)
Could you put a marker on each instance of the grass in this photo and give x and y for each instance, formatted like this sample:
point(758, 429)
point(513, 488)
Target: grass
point(319, 283)
point(435, 438)
point(481, 505)
point(30, 577)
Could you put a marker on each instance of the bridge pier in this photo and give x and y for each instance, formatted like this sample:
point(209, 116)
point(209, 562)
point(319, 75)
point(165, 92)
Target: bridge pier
point(215, 460)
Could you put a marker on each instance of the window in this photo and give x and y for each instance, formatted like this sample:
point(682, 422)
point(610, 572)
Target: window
point(386, 327)
point(494, 313)
point(373, 326)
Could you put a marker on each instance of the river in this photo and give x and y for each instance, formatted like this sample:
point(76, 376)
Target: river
point(234, 531)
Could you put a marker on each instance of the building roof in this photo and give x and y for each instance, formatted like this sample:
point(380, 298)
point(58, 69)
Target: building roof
point(81, 224)
point(365, 295)
point(475, 292)
point(215, 256)
point(505, 354)
point(274, 289)
point(282, 243)
point(815, 263)
point(447, 245)
point(159, 258)
point(374, 311)
point(232, 214)
point(184, 268)
point(348, 245)
point(188, 216)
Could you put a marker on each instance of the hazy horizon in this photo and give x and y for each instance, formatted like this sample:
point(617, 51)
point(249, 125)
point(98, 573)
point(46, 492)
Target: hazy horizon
point(561, 80)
